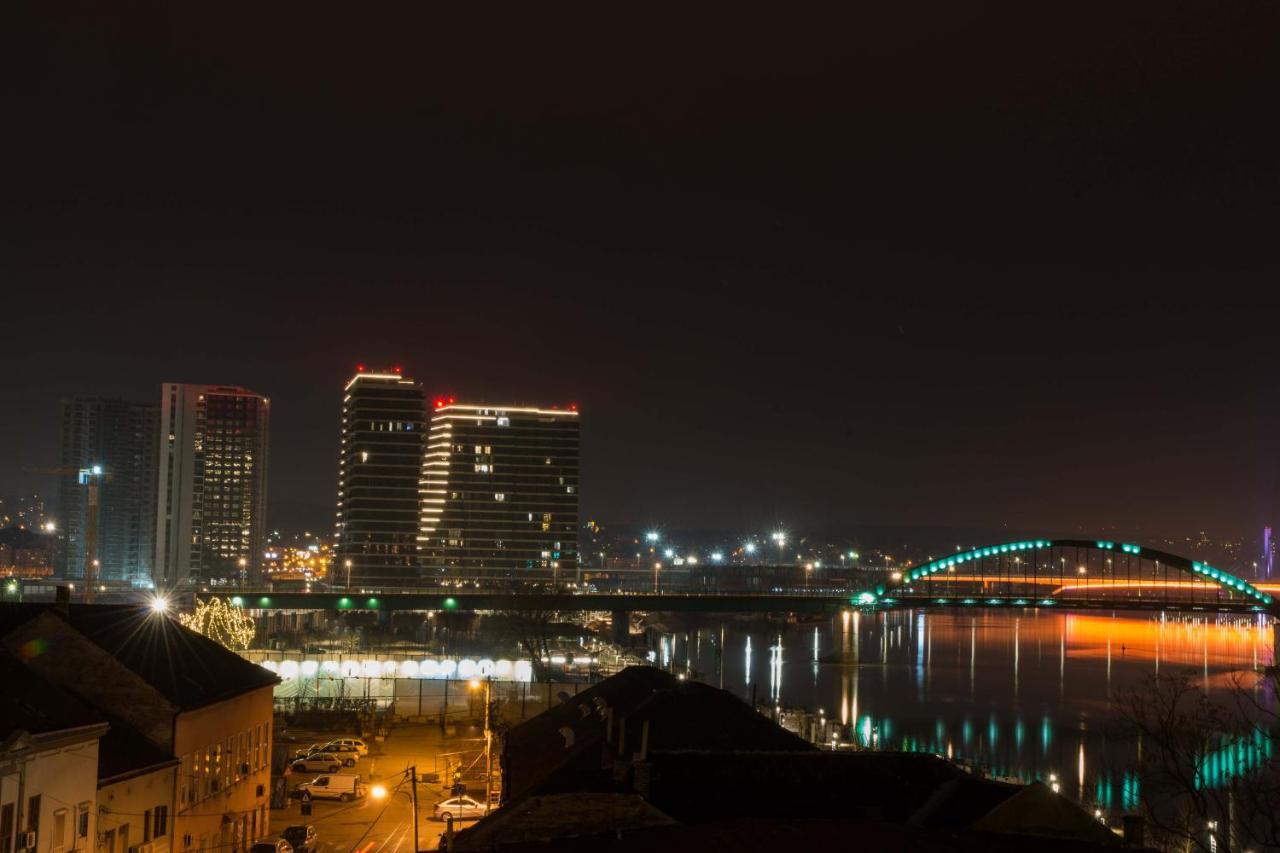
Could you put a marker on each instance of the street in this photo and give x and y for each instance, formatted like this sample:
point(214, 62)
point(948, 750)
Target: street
point(373, 824)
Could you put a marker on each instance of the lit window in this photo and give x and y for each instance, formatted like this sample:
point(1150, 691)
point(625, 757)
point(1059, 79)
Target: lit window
point(499, 496)
point(504, 422)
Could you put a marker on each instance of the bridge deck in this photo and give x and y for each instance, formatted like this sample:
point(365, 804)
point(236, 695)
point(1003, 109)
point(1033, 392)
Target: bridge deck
point(817, 602)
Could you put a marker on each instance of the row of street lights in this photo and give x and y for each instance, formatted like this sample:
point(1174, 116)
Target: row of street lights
point(778, 537)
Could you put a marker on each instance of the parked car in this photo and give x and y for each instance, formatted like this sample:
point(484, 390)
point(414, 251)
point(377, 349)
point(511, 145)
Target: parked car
point(348, 744)
point(303, 753)
point(336, 786)
point(276, 845)
point(302, 837)
point(458, 808)
point(318, 761)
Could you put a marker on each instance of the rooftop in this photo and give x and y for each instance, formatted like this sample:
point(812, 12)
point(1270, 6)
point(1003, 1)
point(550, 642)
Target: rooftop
point(188, 669)
point(35, 705)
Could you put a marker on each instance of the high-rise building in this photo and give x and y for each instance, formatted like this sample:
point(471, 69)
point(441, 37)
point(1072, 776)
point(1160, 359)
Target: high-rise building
point(120, 437)
point(211, 492)
point(379, 466)
point(500, 493)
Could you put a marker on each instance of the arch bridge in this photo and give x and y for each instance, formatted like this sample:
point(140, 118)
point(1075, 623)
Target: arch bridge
point(1070, 573)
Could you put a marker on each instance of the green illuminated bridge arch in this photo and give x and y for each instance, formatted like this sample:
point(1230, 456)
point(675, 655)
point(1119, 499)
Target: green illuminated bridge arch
point(1053, 571)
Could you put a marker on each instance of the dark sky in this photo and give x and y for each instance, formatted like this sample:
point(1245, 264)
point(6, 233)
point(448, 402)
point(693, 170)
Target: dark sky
point(953, 264)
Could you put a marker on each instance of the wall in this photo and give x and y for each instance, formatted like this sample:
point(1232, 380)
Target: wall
point(130, 812)
point(66, 780)
point(213, 744)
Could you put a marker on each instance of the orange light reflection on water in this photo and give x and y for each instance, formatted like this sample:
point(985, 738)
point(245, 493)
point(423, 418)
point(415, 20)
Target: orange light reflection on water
point(1190, 642)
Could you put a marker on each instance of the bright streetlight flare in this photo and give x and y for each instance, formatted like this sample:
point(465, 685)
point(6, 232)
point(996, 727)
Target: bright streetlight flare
point(159, 604)
point(378, 792)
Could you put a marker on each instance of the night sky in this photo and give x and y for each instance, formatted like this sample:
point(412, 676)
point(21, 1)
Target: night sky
point(969, 265)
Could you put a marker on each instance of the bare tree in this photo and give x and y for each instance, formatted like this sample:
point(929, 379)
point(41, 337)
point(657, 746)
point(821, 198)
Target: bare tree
point(533, 632)
point(1210, 776)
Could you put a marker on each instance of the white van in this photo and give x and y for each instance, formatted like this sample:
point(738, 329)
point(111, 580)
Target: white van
point(336, 786)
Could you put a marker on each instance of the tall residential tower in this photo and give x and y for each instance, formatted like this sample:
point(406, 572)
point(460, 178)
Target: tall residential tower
point(500, 493)
point(379, 465)
point(211, 492)
point(120, 437)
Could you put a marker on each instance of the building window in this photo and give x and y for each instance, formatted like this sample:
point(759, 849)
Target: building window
point(161, 826)
point(6, 828)
point(499, 496)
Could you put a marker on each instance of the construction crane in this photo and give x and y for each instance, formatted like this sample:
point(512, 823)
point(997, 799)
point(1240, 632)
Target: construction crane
point(91, 478)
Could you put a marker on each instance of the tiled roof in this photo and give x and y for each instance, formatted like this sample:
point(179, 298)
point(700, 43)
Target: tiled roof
point(188, 669)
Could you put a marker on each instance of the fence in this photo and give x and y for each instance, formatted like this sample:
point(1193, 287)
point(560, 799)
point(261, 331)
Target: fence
point(441, 700)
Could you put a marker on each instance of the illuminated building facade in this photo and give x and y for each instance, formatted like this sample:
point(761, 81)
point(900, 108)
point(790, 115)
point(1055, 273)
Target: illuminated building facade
point(211, 480)
point(122, 438)
point(500, 493)
point(379, 465)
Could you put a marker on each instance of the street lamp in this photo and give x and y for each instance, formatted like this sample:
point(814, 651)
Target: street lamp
point(781, 538)
point(653, 536)
point(657, 567)
point(379, 792)
point(347, 563)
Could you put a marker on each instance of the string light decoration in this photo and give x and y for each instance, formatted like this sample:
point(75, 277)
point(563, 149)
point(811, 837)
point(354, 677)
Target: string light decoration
point(222, 622)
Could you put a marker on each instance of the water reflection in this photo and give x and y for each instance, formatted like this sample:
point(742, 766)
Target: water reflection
point(1022, 695)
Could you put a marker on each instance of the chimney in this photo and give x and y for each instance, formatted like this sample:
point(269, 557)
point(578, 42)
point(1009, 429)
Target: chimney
point(644, 742)
point(606, 759)
point(1134, 830)
point(62, 600)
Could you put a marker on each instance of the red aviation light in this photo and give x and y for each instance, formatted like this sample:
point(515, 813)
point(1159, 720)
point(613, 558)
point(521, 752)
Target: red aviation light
point(440, 402)
point(359, 368)
point(573, 407)
point(396, 368)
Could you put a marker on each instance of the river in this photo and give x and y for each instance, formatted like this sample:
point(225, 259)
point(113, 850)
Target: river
point(1021, 694)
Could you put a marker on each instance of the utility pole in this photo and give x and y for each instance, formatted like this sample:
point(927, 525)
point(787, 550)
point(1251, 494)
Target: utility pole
point(413, 795)
point(488, 744)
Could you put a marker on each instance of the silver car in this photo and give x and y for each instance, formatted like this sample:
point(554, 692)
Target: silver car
point(458, 808)
point(348, 744)
point(318, 761)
